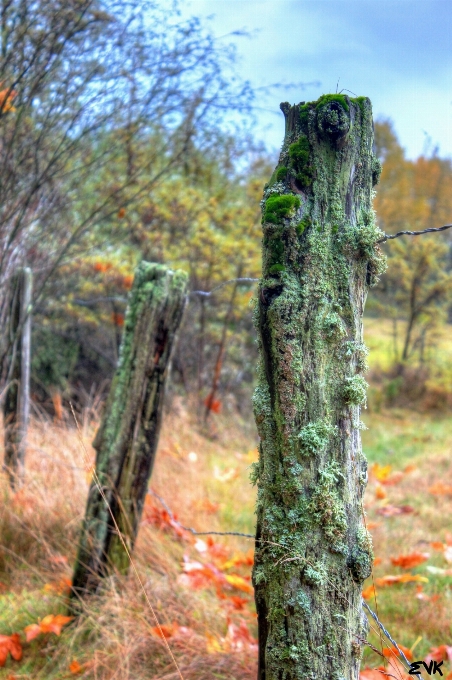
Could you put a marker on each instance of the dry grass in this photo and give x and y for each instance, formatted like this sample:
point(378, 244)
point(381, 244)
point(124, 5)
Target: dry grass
point(114, 639)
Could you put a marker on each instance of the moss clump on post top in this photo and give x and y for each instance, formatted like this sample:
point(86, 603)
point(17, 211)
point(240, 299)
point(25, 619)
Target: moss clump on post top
point(127, 439)
point(320, 255)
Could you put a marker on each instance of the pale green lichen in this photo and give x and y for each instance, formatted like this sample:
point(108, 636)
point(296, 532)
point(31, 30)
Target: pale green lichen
point(314, 436)
point(355, 390)
point(328, 508)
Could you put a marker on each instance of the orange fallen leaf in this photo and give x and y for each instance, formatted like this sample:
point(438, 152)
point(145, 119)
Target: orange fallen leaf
point(164, 631)
point(410, 561)
point(75, 667)
point(239, 582)
point(237, 601)
point(437, 545)
point(239, 559)
point(441, 653)
point(10, 644)
point(49, 624)
point(390, 580)
point(213, 644)
point(440, 489)
point(377, 561)
point(381, 472)
point(380, 493)
point(368, 593)
point(392, 651)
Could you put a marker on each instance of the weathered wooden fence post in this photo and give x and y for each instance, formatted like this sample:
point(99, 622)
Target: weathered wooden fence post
point(16, 404)
point(320, 254)
point(127, 439)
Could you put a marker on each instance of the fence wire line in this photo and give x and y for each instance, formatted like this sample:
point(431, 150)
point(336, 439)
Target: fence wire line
point(388, 237)
point(208, 293)
point(194, 531)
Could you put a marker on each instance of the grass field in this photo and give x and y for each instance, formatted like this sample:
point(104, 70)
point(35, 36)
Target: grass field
point(208, 613)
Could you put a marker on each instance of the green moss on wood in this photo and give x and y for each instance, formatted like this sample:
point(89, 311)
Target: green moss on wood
point(279, 207)
point(281, 174)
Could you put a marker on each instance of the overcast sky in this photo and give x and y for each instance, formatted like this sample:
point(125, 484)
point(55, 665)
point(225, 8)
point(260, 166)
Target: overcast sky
point(396, 52)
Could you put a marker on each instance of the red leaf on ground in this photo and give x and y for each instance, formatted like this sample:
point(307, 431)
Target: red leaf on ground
point(410, 561)
point(10, 644)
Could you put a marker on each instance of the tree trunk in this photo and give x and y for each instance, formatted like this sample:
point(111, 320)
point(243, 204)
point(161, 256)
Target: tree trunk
point(127, 439)
point(16, 406)
point(319, 257)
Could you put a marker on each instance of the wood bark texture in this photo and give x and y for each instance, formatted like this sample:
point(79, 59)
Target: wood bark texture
point(320, 255)
point(127, 439)
point(16, 405)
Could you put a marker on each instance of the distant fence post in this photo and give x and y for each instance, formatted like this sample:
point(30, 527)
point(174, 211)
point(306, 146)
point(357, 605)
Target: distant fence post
point(16, 404)
point(127, 439)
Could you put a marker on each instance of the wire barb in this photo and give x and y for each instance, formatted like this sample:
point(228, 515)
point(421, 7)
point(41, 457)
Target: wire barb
point(388, 237)
point(391, 639)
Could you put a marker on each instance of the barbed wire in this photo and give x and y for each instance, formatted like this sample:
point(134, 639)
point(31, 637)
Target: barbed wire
point(190, 529)
point(388, 635)
point(388, 237)
point(208, 293)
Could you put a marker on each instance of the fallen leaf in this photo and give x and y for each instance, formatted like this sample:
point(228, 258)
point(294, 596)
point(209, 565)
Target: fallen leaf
point(164, 631)
point(441, 653)
point(437, 545)
point(239, 582)
point(49, 624)
point(75, 667)
point(381, 472)
point(380, 493)
point(10, 644)
point(237, 601)
point(440, 489)
point(213, 644)
point(368, 593)
point(393, 651)
point(240, 559)
point(410, 561)
point(377, 561)
point(390, 580)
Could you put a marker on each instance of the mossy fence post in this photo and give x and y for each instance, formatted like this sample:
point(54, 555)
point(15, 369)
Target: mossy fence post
point(16, 401)
point(127, 439)
point(320, 255)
